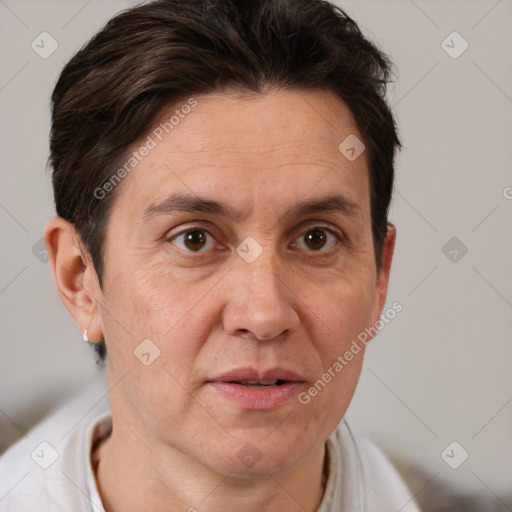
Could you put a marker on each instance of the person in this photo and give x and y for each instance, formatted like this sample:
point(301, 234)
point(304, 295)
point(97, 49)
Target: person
point(222, 172)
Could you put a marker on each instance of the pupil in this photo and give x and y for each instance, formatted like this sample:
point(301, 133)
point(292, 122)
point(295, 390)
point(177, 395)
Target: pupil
point(315, 239)
point(195, 240)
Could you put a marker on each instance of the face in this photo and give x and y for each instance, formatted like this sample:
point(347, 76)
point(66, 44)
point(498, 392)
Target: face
point(241, 247)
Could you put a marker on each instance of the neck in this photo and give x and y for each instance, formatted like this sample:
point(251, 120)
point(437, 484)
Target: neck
point(134, 475)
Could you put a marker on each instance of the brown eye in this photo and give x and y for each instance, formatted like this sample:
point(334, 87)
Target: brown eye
point(317, 239)
point(194, 240)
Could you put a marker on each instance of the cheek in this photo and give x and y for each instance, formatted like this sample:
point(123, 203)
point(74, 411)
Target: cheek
point(177, 317)
point(151, 300)
point(340, 310)
point(338, 320)
point(155, 333)
point(337, 315)
point(326, 400)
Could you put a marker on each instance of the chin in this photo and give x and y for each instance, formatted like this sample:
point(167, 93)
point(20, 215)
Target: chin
point(245, 457)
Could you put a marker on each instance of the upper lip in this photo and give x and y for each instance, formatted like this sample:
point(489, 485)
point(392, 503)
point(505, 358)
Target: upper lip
point(254, 375)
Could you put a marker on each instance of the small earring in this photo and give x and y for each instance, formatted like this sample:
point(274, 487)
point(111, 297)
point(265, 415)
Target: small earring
point(85, 338)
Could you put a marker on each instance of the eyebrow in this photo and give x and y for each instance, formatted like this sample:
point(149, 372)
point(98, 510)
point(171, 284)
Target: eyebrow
point(195, 204)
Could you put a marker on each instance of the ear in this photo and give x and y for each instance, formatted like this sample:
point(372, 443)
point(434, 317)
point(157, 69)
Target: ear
point(74, 275)
point(381, 288)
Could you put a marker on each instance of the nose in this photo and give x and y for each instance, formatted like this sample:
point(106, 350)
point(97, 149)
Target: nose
point(261, 303)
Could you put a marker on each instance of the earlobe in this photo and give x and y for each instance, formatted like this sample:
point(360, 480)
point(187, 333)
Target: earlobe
point(69, 263)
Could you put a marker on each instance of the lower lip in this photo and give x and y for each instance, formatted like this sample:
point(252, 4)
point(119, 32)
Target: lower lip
point(267, 398)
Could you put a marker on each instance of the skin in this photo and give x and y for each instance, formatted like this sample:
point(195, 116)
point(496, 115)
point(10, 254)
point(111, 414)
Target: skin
point(299, 305)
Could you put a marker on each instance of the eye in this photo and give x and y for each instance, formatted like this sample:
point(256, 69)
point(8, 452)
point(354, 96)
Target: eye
point(317, 239)
point(194, 240)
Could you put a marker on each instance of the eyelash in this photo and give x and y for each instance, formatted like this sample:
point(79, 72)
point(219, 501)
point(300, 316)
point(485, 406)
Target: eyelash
point(339, 238)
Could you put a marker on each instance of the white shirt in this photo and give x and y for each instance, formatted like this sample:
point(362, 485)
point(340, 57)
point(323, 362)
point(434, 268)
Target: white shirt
point(50, 470)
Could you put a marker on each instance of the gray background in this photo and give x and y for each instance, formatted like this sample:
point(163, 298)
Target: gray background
point(441, 370)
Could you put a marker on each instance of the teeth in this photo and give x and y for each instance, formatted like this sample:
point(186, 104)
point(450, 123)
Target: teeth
point(259, 384)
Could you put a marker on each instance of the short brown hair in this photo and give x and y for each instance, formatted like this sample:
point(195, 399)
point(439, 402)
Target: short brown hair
point(146, 58)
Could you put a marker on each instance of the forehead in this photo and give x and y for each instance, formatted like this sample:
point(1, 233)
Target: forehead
point(246, 149)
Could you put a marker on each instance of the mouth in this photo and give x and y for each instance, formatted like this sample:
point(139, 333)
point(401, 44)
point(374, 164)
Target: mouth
point(259, 390)
point(259, 384)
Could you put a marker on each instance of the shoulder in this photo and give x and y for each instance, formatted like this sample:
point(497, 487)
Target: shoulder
point(365, 476)
point(46, 469)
